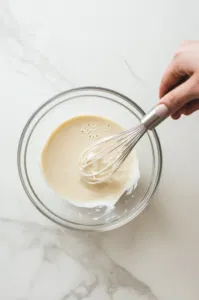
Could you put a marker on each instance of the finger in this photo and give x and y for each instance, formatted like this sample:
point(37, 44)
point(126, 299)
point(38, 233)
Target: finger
point(169, 80)
point(176, 115)
point(187, 109)
point(179, 96)
point(191, 107)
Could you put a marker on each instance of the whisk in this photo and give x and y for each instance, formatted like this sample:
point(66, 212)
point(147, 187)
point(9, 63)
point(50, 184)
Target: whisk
point(101, 160)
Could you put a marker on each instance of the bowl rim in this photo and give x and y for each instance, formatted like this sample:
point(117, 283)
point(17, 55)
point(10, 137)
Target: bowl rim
point(68, 224)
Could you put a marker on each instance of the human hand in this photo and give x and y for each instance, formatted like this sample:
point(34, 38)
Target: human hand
point(179, 88)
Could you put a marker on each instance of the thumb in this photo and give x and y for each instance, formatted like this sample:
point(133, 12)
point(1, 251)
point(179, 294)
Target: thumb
point(181, 95)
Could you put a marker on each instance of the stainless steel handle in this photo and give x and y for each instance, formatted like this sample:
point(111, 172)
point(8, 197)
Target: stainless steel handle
point(154, 117)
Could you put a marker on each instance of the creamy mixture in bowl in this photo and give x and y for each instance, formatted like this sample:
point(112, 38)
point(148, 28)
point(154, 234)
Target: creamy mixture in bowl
point(60, 163)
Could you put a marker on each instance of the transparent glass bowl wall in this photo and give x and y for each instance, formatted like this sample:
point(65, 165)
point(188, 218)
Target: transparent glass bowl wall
point(85, 101)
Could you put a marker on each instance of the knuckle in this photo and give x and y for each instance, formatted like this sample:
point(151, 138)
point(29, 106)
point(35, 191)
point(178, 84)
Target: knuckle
point(175, 101)
point(172, 101)
point(171, 97)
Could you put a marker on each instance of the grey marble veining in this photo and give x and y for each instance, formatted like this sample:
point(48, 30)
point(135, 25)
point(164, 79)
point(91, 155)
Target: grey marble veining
point(67, 254)
point(17, 44)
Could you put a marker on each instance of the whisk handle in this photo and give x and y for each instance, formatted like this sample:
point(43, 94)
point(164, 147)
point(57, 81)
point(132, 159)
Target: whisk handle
point(155, 116)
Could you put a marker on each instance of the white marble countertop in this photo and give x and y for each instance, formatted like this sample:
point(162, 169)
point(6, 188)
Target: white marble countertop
point(50, 46)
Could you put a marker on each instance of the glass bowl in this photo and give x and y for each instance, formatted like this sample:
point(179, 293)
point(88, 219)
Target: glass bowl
point(85, 101)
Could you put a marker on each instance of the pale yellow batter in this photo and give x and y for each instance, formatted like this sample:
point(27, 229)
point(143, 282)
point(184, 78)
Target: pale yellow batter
point(60, 162)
